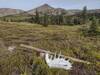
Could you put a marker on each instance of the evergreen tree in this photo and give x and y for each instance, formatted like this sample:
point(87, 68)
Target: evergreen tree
point(37, 17)
point(93, 27)
point(61, 19)
point(45, 20)
point(84, 14)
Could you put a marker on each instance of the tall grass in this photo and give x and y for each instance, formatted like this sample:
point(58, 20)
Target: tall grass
point(66, 39)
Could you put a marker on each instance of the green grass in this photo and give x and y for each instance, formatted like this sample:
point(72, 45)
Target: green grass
point(66, 39)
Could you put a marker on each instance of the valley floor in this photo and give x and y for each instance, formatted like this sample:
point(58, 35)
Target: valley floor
point(67, 39)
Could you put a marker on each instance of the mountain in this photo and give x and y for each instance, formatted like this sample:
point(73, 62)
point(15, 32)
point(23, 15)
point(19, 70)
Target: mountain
point(51, 10)
point(42, 9)
point(45, 8)
point(94, 11)
point(9, 11)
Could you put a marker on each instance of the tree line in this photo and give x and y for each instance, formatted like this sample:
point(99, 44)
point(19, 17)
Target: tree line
point(46, 18)
point(80, 18)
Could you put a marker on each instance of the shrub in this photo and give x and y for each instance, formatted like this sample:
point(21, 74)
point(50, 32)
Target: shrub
point(40, 68)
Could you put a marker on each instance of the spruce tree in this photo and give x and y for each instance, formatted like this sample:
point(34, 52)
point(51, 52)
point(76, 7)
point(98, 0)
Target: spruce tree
point(37, 17)
point(84, 14)
point(45, 20)
point(93, 27)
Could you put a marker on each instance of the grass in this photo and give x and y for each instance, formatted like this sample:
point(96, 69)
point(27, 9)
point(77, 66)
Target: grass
point(66, 39)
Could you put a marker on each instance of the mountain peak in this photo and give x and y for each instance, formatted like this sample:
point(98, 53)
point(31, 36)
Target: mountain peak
point(43, 8)
point(46, 5)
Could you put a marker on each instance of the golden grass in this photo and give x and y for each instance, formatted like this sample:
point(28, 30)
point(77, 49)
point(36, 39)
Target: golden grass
point(66, 39)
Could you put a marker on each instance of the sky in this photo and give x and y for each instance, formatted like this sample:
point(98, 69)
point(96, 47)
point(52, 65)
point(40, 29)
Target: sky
point(67, 4)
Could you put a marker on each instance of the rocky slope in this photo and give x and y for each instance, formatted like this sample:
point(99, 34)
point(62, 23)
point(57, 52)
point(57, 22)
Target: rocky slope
point(9, 11)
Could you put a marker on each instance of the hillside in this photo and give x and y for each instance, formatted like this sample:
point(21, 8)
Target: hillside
point(66, 39)
point(94, 11)
point(20, 15)
point(49, 9)
point(45, 8)
point(9, 11)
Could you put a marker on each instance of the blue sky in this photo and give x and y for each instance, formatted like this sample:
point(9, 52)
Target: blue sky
point(67, 4)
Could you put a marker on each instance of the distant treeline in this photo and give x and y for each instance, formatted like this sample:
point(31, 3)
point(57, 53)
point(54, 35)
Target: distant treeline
point(53, 19)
